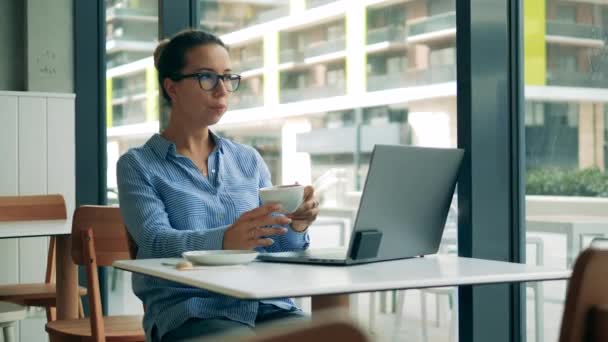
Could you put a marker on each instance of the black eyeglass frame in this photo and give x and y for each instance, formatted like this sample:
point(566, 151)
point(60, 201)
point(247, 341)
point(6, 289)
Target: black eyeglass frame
point(223, 77)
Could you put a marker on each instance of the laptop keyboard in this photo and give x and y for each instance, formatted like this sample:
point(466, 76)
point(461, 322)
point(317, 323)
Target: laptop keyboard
point(322, 253)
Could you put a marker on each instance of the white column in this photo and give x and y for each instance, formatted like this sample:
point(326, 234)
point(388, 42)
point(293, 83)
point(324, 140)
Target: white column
point(295, 165)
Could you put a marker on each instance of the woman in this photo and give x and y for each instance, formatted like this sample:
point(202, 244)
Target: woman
point(189, 189)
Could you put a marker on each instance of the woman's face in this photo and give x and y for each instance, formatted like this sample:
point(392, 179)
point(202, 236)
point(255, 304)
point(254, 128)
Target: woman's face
point(200, 107)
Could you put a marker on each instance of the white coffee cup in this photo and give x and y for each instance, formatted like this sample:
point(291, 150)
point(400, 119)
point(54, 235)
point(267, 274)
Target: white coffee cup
point(288, 196)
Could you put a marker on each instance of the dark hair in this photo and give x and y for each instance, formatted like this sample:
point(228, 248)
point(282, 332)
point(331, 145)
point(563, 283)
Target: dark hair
point(170, 55)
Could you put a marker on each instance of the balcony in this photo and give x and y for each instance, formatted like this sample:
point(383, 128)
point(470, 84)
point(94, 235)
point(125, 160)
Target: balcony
point(139, 14)
point(245, 100)
point(386, 34)
point(249, 63)
point(128, 92)
point(317, 3)
point(266, 16)
point(221, 23)
point(436, 28)
point(290, 56)
point(325, 47)
point(574, 32)
point(119, 44)
point(434, 75)
point(576, 79)
point(310, 93)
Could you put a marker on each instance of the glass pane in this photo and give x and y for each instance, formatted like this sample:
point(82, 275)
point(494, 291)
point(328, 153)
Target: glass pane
point(131, 106)
point(565, 115)
point(304, 64)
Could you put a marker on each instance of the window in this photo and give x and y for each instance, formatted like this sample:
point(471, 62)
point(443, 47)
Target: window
point(304, 87)
point(131, 104)
point(303, 77)
point(565, 151)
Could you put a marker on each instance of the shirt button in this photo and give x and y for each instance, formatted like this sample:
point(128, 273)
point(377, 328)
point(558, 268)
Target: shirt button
point(213, 170)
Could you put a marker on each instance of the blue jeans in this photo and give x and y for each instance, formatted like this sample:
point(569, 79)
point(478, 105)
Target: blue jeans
point(196, 329)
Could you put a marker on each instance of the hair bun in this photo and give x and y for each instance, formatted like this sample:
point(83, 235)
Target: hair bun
point(159, 51)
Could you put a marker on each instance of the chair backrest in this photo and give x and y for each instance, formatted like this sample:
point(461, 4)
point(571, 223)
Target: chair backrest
point(111, 237)
point(32, 208)
point(586, 311)
point(36, 208)
point(99, 237)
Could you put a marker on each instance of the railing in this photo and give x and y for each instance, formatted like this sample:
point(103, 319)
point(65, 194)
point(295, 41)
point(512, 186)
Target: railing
point(249, 63)
point(290, 55)
point(556, 28)
point(131, 12)
point(246, 100)
point(269, 15)
point(434, 75)
point(577, 79)
point(386, 34)
point(432, 24)
point(317, 3)
point(132, 35)
point(222, 22)
point(299, 94)
point(325, 47)
point(127, 92)
point(129, 118)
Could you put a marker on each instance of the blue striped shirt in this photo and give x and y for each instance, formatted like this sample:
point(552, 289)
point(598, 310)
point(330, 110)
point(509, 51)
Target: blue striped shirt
point(170, 207)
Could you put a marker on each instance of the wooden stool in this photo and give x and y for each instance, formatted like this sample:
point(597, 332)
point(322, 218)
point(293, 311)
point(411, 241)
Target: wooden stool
point(9, 314)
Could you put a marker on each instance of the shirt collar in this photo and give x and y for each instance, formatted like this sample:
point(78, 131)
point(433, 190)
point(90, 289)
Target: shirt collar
point(163, 147)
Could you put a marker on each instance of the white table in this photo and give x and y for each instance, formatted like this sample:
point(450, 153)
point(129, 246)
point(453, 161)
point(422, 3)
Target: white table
point(261, 280)
point(66, 271)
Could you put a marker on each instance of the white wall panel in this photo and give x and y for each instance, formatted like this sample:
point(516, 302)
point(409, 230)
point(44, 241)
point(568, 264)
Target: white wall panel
point(32, 179)
point(8, 182)
point(37, 147)
point(32, 145)
point(61, 151)
point(8, 146)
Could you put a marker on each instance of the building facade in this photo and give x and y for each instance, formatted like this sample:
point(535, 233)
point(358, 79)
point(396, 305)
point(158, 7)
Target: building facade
point(325, 80)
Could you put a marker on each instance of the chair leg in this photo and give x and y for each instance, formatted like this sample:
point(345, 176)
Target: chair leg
point(51, 313)
point(399, 315)
point(539, 311)
point(438, 310)
point(453, 334)
point(80, 308)
point(372, 312)
point(424, 328)
point(9, 332)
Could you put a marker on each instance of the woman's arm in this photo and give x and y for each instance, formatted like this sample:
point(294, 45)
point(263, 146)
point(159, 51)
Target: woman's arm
point(146, 218)
point(292, 240)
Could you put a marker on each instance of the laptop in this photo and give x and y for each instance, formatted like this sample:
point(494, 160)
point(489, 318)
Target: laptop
point(403, 209)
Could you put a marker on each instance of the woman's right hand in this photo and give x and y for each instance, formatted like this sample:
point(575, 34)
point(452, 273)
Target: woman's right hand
point(251, 229)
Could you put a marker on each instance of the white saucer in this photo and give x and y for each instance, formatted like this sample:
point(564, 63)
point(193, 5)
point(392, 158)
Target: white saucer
point(220, 257)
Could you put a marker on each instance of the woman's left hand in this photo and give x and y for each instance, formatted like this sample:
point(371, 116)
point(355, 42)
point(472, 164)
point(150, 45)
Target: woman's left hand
point(307, 212)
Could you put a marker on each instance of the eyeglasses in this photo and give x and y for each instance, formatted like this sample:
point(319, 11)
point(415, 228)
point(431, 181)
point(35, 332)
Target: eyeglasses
point(208, 80)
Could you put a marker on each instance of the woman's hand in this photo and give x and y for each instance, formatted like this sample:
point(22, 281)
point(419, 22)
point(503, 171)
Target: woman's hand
point(247, 231)
point(307, 212)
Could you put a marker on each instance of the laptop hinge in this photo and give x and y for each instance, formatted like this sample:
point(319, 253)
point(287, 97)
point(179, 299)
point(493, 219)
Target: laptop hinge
point(366, 244)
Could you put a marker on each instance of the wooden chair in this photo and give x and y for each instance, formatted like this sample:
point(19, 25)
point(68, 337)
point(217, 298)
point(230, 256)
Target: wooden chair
point(586, 310)
point(33, 208)
point(99, 237)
